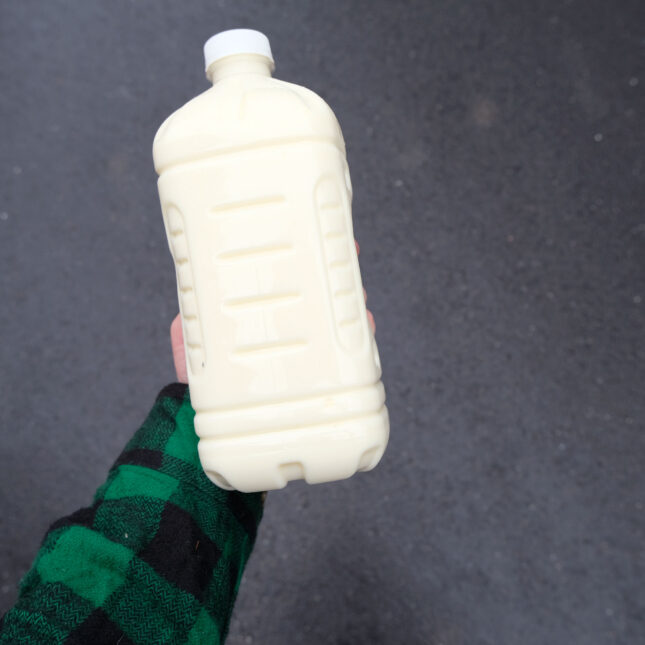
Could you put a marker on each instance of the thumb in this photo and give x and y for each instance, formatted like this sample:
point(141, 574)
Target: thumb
point(178, 349)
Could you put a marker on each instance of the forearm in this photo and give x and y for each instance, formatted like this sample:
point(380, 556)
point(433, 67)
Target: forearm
point(158, 556)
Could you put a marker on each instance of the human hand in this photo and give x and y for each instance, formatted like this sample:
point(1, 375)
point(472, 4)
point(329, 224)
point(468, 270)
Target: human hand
point(179, 351)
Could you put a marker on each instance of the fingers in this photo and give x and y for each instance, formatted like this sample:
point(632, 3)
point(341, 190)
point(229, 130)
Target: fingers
point(178, 349)
point(370, 317)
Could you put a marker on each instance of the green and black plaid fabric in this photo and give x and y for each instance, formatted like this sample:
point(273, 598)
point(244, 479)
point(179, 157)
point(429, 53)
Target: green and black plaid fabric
point(158, 556)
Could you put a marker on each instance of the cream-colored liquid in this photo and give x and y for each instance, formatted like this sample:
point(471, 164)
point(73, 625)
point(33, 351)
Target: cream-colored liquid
point(283, 368)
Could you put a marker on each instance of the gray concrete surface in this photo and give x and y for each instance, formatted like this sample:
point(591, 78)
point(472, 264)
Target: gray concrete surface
point(496, 151)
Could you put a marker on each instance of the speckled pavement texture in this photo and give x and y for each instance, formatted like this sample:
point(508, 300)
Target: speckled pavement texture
point(497, 156)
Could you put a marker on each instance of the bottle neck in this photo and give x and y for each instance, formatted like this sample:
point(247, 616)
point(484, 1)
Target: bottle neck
point(239, 64)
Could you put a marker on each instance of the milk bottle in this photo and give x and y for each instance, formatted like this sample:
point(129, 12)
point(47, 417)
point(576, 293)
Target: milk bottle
point(283, 370)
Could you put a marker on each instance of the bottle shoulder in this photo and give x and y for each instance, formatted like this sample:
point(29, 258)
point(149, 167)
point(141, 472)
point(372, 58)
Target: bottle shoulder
point(241, 111)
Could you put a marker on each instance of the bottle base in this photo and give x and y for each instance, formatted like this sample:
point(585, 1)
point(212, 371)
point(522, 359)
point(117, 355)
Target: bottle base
point(319, 453)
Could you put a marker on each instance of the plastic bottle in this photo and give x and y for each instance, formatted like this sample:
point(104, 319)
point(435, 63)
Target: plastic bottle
point(283, 369)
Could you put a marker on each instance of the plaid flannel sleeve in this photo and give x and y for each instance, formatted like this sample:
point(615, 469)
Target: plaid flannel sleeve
point(157, 558)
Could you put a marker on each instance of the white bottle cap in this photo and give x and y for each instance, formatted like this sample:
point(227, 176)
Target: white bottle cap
point(236, 41)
